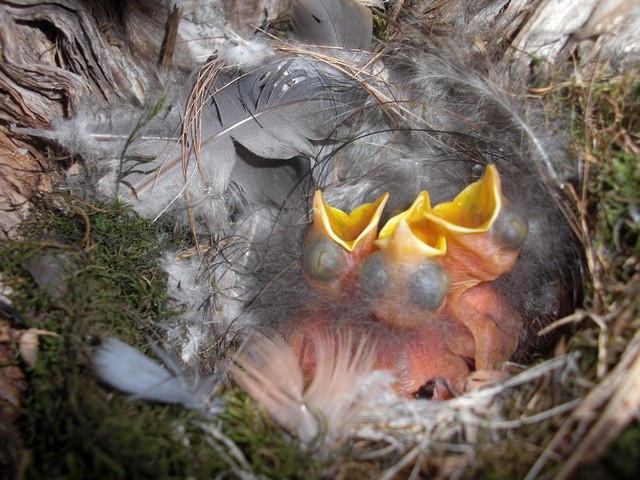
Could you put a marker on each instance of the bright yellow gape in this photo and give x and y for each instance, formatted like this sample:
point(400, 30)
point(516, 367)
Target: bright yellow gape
point(410, 234)
point(348, 230)
point(474, 210)
point(421, 229)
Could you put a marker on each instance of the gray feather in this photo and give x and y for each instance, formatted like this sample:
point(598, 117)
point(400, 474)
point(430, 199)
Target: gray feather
point(285, 109)
point(276, 111)
point(126, 369)
point(333, 23)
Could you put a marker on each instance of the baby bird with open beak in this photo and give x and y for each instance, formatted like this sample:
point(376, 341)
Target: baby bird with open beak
point(425, 283)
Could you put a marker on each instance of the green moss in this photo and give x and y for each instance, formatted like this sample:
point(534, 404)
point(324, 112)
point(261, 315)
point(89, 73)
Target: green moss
point(103, 261)
point(620, 462)
point(617, 182)
point(605, 120)
point(267, 447)
point(380, 27)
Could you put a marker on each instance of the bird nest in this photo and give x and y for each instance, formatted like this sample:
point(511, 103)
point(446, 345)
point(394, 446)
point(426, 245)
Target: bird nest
point(571, 410)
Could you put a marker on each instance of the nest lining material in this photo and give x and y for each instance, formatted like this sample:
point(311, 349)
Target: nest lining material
point(417, 430)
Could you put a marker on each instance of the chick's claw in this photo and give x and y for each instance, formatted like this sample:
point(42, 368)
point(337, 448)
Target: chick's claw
point(479, 379)
point(418, 356)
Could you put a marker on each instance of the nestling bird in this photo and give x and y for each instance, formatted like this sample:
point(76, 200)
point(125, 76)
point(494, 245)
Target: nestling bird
point(427, 279)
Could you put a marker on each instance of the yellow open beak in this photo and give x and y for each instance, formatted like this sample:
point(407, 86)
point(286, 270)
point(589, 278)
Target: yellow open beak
point(347, 230)
point(405, 280)
point(474, 209)
point(481, 208)
point(410, 234)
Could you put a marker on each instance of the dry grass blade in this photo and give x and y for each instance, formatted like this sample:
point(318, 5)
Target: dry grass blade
point(606, 132)
point(620, 392)
point(621, 409)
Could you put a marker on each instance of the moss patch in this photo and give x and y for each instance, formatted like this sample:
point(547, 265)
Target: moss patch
point(84, 272)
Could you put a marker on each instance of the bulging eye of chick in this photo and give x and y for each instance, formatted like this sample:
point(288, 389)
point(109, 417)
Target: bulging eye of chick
point(510, 228)
point(323, 260)
point(428, 285)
